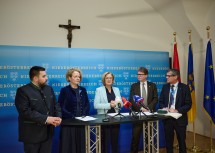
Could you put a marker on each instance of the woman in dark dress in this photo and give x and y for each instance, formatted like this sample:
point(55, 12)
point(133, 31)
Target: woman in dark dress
point(74, 102)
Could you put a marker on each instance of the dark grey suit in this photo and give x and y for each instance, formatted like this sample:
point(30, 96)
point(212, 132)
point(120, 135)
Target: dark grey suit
point(152, 98)
point(33, 112)
point(183, 104)
point(152, 95)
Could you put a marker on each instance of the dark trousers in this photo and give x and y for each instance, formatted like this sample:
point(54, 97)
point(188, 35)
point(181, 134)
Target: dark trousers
point(170, 126)
point(110, 135)
point(136, 133)
point(42, 147)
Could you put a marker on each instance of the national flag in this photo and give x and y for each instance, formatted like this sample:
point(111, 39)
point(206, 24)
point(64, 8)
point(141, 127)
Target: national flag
point(209, 86)
point(176, 60)
point(191, 84)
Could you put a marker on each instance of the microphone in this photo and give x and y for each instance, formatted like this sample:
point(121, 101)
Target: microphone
point(118, 102)
point(127, 104)
point(139, 100)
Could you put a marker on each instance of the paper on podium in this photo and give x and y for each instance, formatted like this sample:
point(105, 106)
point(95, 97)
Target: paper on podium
point(127, 114)
point(113, 114)
point(86, 118)
point(174, 115)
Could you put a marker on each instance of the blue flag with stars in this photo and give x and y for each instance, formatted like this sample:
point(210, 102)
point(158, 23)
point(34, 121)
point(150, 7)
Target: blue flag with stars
point(209, 86)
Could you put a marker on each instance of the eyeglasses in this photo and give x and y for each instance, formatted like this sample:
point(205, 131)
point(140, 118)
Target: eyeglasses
point(170, 75)
point(108, 78)
point(141, 74)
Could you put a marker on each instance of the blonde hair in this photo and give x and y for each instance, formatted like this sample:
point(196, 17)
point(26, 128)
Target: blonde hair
point(70, 72)
point(104, 75)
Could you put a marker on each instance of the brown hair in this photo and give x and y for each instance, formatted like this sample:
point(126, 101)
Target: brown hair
point(144, 70)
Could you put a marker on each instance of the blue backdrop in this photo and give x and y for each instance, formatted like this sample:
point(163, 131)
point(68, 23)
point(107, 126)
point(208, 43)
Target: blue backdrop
point(15, 62)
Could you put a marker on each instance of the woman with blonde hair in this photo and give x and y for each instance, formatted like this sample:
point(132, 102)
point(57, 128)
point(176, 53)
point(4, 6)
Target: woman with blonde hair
point(105, 102)
point(74, 102)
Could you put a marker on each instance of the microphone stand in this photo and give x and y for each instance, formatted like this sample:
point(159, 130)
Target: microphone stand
point(119, 114)
point(105, 119)
point(145, 108)
point(144, 114)
point(134, 114)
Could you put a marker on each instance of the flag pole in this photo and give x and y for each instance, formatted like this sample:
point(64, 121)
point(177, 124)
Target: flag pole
point(174, 34)
point(176, 146)
point(175, 63)
point(208, 33)
point(194, 148)
point(211, 149)
point(211, 145)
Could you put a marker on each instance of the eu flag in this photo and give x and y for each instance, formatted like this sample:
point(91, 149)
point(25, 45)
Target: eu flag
point(191, 84)
point(209, 86)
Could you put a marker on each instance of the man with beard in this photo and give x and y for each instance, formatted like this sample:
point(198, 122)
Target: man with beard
point(38, 112)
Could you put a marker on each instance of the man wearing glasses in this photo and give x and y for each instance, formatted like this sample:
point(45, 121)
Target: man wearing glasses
point(148, 91)
point(175, 97)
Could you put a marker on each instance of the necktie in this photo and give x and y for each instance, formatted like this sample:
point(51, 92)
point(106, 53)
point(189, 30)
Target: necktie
point(144, 95)
point(171, 101)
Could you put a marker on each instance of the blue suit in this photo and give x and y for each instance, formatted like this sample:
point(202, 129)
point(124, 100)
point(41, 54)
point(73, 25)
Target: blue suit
point(183, 104)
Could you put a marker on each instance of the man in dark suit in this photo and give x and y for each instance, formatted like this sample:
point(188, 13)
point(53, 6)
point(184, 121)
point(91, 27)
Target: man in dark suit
point(38, 112)
point(175, 97)
point(148, 91)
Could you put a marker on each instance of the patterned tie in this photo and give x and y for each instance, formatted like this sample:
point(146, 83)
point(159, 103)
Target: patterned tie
point(144, 94)
point(172, 92)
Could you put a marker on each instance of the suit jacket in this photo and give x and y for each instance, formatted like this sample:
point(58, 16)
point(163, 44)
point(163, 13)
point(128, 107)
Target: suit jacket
point(101, 101)
point(68, 102)
point(152, 95)
point(183, 101)
point(33, 112)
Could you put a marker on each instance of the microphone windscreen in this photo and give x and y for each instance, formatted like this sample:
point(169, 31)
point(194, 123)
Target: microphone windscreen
point(118, 101)
point(138, 99)
point(124, 100)
point(127, 104)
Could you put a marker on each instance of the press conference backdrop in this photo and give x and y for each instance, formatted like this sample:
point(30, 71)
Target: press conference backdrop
point(15, 62)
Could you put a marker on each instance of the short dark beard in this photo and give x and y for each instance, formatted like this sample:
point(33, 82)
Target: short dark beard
point(41, 85)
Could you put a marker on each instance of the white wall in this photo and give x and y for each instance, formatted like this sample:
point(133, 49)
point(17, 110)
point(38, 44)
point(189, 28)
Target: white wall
point(121, 24)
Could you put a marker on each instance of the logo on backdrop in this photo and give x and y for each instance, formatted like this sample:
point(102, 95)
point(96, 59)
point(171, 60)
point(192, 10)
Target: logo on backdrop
point(14, 75)
point(125, 75)
point(45, 65)
point(100, 83)
point(126, 91)
point(12, 94)
point(100, 67)
point(148, 67)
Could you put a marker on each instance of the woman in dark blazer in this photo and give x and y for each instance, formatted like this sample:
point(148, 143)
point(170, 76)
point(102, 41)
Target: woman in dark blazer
point(74, 102)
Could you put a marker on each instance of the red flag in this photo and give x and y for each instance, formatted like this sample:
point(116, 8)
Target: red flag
point(175, 60)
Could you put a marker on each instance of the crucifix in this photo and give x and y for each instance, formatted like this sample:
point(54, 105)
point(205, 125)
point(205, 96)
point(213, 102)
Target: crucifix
point(69, 27)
